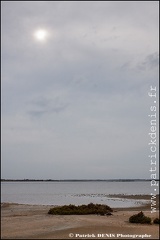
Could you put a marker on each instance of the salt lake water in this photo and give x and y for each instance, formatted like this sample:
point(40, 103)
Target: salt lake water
point(60, 193)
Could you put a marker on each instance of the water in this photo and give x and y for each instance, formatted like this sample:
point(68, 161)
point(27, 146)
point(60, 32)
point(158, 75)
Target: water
point(60, 193)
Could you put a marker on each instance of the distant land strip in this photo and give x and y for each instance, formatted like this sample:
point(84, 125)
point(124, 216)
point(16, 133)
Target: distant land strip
point(76, 180)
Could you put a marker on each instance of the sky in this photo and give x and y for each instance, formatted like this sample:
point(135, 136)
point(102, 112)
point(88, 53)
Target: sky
point(75, 81)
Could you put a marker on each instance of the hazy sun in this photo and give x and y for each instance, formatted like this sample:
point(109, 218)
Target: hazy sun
point(40, 35)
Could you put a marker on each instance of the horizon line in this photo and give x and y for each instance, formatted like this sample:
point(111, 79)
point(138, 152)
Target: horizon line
point(58, 180)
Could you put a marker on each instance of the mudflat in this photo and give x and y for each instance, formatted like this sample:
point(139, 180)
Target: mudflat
point(22, 221)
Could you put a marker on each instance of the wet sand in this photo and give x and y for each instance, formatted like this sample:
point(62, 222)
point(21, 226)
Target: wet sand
point(22, 221)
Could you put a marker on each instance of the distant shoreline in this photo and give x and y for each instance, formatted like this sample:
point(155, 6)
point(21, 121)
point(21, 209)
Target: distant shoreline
point(77, 180)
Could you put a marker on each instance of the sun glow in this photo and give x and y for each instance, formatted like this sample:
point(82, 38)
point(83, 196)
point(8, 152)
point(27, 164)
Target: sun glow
point(40, 35)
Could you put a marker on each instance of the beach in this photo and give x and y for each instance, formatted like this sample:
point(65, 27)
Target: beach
point(23, 221)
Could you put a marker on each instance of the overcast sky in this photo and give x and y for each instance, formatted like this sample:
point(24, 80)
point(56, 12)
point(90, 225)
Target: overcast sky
point(75, 103)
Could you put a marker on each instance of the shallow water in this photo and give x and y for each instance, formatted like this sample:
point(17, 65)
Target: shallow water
point(60, 193)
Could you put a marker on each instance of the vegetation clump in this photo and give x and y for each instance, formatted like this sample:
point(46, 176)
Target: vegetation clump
point(140, 218)
point(156, 221)
point(81, 210)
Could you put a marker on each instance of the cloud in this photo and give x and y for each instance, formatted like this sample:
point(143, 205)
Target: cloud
point(80, 99)
point(42, 105)
point(150, 62)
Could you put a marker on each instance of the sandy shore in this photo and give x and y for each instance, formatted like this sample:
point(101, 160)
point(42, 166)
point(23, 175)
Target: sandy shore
point(22, 221)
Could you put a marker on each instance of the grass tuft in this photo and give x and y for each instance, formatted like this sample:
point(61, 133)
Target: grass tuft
point(156, 221)
point(81, 210)
point(140, 218)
